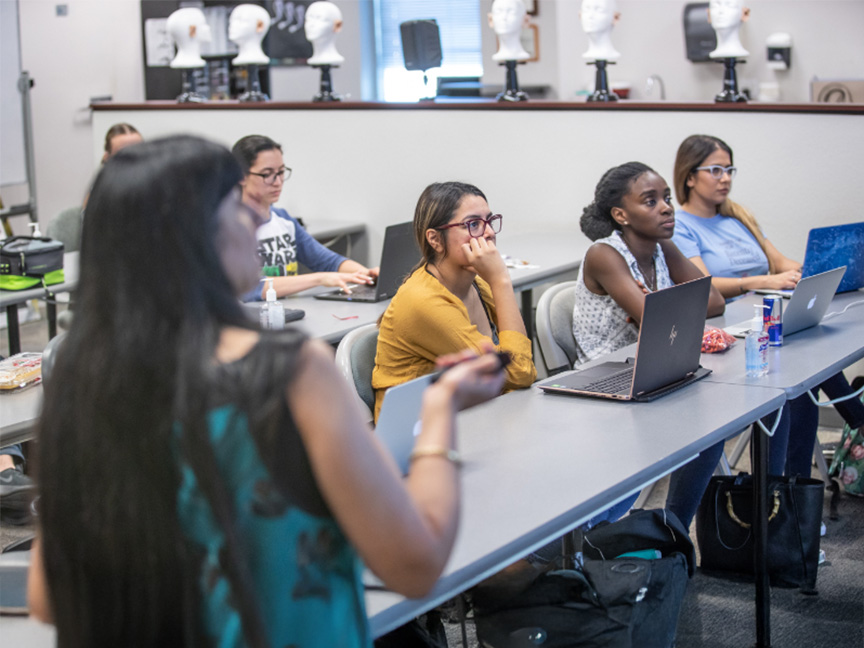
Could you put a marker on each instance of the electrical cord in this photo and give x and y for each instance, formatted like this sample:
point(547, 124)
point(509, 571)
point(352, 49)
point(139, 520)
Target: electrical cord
point(771, 432)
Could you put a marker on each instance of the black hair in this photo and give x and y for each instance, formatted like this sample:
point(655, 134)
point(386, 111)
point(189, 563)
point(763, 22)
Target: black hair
point(596, 221)
point(129, 391)
point(246, 150)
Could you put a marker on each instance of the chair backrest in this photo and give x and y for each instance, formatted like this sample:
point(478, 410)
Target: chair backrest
point(66, 228)
point(554, 326)
point(49, 355)
point(355, 357)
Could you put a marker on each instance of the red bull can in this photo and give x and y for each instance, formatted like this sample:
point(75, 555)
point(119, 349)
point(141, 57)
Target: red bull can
point(772, 319)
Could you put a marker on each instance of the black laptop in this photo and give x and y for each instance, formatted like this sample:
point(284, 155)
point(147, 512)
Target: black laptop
point(667, 353)
point(398, 256)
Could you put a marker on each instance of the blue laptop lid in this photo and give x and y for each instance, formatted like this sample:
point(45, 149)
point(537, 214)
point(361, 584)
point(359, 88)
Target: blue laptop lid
point(835, 246)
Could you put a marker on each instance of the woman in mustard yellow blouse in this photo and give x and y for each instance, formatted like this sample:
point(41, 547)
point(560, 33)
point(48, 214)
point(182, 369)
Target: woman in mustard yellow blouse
point(460, 295)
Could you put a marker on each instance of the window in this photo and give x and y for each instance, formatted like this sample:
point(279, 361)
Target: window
point(459, 24)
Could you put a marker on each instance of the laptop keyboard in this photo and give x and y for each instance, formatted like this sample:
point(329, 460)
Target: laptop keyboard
point(366, 292)
point(612, 384)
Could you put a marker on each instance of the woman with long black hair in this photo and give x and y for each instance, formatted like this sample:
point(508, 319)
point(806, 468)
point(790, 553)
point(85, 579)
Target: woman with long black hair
point(204, 482)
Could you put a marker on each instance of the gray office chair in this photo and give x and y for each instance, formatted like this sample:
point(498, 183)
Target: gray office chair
point(66, 228)
point(49, 355)
point(355, 357)
point(554, 325)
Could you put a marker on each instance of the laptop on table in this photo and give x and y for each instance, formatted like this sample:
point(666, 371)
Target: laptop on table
point(667, 352)
point(833, 247)
point(398, 256)
point(807, 305)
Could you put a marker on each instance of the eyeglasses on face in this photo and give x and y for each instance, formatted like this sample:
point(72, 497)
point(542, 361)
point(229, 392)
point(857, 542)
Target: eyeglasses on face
point(717, 171)
point(477, 226)
point(269, 177)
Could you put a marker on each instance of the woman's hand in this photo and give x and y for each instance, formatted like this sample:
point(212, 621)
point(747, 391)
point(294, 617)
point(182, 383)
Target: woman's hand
point(783, 280)
point(342, 279)
point(484, 259)
point(470, 379)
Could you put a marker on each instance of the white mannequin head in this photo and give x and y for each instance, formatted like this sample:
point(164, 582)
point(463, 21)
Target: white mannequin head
point(726, 17)
point(508, 18)
point(323, 21)
point(598, 17)
point(247, 27)
point(188, 29)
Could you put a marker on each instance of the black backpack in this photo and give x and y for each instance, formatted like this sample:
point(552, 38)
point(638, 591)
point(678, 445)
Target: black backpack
point(628, 602)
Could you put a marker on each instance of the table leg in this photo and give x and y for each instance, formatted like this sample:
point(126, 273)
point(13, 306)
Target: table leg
point(528, 312)
point(12, 329)
point(760, 526)
point(51, 308)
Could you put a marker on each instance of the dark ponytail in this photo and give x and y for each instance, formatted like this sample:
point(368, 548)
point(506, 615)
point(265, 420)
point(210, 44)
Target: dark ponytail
point(596, 221)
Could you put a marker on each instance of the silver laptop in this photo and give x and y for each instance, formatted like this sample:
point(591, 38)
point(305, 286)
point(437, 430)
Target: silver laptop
point(398, 256)
point(806, 307)
point(399, 418)
point(667, 353)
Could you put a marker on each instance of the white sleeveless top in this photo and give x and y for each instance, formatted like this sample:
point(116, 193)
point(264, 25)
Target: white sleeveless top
point(600, 325)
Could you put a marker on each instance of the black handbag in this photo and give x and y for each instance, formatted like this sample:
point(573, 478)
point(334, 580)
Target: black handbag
point(725, 537)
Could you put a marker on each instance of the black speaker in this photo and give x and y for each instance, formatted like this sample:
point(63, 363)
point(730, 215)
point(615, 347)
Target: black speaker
point(421, 44)
point(699, 36)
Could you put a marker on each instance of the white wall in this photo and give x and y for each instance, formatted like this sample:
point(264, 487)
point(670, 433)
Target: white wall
point(97, 50)
point(538, 168)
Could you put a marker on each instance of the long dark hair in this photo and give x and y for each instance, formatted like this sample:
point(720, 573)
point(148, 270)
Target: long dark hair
point(596, 221)
point(246, 150)
point(152, 300)
point(691, 154)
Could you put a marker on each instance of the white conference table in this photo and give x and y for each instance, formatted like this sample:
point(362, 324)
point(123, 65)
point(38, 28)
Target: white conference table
point(804, 360)
point(538, 465)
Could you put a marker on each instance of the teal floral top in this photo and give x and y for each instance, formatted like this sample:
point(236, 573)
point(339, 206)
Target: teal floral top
point(304, 571)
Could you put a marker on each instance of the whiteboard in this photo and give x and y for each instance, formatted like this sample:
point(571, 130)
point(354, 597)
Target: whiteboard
point(13, 166)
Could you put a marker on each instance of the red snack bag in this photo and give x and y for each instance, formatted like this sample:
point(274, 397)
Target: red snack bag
point(716, 340)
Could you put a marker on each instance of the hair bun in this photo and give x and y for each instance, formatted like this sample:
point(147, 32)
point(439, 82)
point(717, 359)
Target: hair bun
point(594, 224)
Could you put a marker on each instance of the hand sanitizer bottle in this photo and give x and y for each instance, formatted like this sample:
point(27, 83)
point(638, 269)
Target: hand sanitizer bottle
point(272, 312)
point(756, 346)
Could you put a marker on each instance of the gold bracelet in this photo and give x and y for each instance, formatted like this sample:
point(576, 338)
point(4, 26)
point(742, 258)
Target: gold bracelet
point(449, 454)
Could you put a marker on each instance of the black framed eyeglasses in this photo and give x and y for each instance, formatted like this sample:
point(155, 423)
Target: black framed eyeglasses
point(717, 171)
point(270, 176)
point(477, 226)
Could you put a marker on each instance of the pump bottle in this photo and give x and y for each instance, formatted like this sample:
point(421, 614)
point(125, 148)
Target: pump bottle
point(756, 346)
point(272, 312)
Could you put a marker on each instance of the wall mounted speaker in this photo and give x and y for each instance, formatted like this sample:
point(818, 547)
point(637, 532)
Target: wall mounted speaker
point(421, 44)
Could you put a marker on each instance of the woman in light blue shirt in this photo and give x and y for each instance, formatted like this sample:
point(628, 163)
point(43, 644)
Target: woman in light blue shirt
point(718, 235)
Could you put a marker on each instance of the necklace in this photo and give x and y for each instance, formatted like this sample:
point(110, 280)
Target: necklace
point(649, 277)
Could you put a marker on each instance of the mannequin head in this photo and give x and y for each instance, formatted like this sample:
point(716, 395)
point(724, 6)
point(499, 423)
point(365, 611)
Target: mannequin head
point(507, 19)
point(247, 27)
point(598, 17)
point(726, 17)
point(188, 29)
point(323, 21)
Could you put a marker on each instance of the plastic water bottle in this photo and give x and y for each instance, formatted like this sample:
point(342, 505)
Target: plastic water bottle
point(272, 311)
point(756, 346)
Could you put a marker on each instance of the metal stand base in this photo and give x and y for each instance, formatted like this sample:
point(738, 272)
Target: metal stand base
point(253, 94)
point(601, 83)
point(326, 86)
point(189, 95)
point(730, 92)
point(512, 91)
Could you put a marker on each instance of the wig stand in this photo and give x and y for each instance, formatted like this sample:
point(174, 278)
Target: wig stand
point(326, 87)
point(253, 87)
point(189, 94)
point(512, 91)
point(730, 92)
point(601, 83)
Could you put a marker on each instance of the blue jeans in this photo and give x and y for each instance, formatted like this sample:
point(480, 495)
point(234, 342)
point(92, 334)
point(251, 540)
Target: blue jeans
point(688, 484)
